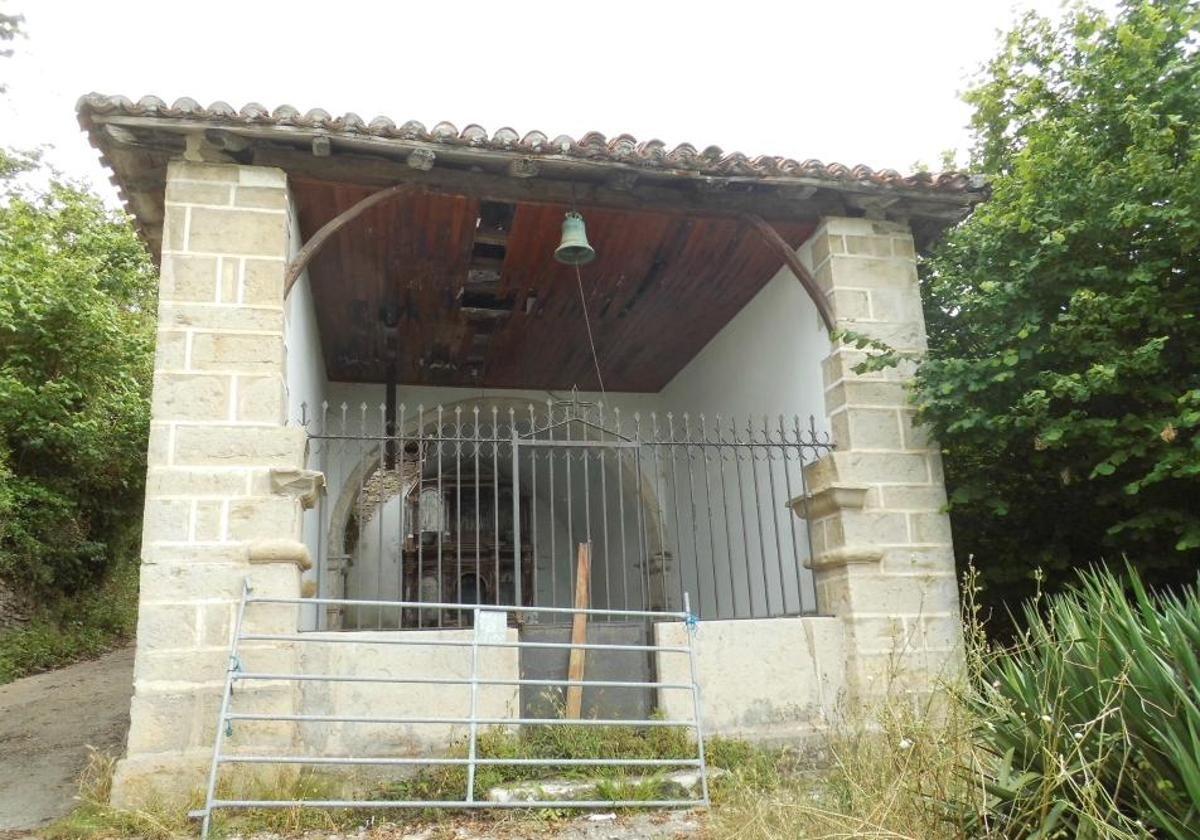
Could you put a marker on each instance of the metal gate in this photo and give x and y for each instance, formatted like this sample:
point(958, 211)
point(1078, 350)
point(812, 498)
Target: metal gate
point(488, 635)
point(484, 504)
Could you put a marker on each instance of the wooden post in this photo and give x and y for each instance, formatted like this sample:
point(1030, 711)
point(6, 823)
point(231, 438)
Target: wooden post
point(583, 576)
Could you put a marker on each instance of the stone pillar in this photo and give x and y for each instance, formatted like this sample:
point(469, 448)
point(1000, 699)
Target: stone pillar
point(220, 508)
point(883, 559)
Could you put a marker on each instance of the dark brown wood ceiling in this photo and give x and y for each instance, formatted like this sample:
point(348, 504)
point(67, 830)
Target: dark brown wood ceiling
point(419, 291)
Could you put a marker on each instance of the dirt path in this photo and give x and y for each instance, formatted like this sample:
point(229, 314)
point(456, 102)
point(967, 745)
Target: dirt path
point(46, 724)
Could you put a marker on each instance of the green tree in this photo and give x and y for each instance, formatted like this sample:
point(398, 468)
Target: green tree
point(1064, 371)
point(76, 345)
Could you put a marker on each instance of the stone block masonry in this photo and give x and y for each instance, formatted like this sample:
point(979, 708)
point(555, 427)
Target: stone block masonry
point(217, 433)
point(883, 558)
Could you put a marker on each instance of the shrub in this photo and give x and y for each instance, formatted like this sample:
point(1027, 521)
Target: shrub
point(66, 629)
point(76, 356)
point(1090, 723)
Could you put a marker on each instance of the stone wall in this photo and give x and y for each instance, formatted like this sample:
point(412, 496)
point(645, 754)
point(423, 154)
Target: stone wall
point(883, 558)
point(217, 447)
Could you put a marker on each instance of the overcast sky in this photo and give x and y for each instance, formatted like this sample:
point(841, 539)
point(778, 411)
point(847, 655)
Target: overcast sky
point(847, 80)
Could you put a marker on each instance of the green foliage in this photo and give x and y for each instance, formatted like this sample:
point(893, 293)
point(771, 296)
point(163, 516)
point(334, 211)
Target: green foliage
point(1092, 720)
point(1064, 315)
point(68, 629)
point(76, 357)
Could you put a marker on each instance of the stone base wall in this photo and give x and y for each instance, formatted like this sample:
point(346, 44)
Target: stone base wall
point(362, 658)
point(775, 679)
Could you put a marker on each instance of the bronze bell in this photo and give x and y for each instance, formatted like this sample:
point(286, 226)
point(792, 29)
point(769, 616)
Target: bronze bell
point(574, 248)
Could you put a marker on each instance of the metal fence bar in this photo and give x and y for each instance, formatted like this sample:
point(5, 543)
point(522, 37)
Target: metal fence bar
point(441, 514)
point(474, 735)
point(697, 709)
point(496, 501)
point(417, 642)
point(461, 721)
point(516, 507)
point(419, 513)
point(679, 556)
point(353, 678)
point(226, 695)
point(380, 504)
point(604, 518)
point(661, 614)
point(533, 557)
point(385, 804)
point(431, 761)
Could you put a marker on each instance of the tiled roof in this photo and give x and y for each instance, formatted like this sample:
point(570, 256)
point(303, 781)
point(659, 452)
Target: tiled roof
point(593, 146)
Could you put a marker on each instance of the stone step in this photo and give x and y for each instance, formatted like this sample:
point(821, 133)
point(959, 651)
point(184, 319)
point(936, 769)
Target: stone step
point(682, 784)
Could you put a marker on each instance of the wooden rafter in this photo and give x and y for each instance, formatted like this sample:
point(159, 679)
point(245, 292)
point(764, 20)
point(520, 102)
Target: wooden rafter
point(776, 243)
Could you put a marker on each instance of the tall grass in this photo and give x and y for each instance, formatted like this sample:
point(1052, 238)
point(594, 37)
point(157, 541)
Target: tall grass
point(1088, 726)
point(1090, 723)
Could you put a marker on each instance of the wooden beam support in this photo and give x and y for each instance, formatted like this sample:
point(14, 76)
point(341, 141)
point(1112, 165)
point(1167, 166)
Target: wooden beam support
point(421, 159)
point(583, 575)
point(777, 244)
point(524, 168)
point(226, 141)
point(296, 267)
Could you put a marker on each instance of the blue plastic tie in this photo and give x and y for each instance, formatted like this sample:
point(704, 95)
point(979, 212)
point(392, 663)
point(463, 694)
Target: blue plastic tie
point(692, 623)
point(228, 728)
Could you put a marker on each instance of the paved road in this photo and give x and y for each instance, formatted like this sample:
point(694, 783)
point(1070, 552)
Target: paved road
point(47, 723)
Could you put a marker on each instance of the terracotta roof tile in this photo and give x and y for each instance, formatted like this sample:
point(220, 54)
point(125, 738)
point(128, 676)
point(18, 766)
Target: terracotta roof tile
point(624, 149)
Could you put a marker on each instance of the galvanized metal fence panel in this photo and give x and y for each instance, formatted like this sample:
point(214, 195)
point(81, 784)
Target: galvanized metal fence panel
point(485, 506)
point(239, 675)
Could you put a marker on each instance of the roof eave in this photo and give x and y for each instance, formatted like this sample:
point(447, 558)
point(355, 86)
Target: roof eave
point(365, 158)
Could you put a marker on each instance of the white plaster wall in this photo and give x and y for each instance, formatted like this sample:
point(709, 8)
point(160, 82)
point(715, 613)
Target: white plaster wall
point(306, 387)
point(766, 360)
point(776, 678)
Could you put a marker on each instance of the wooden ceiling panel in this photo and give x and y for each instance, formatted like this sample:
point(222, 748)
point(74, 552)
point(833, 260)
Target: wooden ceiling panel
point(389, 289)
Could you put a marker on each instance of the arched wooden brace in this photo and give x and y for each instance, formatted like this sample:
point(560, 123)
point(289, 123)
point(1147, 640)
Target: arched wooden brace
point(317, 241)
point(777, 244)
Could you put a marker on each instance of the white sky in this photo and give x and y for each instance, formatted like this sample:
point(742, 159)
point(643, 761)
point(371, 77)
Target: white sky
point(848, 80)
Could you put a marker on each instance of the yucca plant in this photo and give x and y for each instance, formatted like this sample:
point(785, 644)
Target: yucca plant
point(1090, 723)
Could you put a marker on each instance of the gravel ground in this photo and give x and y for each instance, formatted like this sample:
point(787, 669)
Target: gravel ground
point(47, 723)
point(658, 825)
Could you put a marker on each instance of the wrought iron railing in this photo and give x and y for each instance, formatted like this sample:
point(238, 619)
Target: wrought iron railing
point(472, 504)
